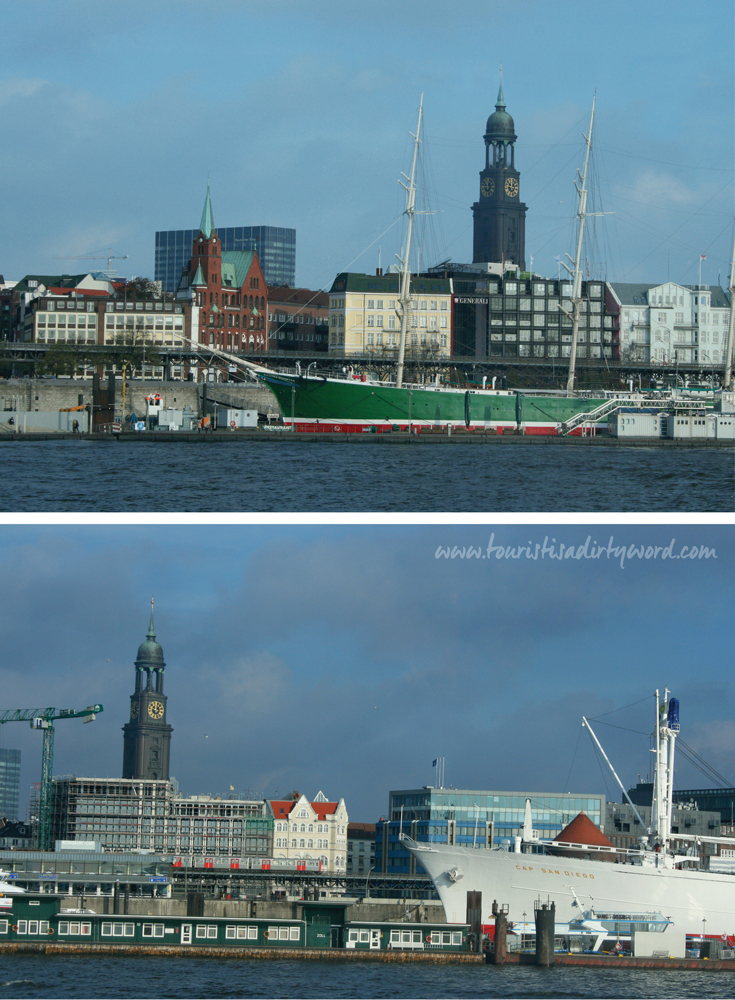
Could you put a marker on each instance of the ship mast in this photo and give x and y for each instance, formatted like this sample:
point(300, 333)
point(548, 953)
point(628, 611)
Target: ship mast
point(727, 384)
point(667, 729)
point(405, 295)
point(577, 272)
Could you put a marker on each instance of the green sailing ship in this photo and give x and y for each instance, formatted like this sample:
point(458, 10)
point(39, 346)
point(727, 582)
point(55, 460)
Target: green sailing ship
point(314, 403)
point(353, 403)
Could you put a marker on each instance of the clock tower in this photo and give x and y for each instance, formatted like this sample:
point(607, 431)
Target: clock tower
point(147, 735)
point(499, 215)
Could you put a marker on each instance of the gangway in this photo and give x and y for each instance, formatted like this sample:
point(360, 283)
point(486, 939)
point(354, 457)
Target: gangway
point(590, 418)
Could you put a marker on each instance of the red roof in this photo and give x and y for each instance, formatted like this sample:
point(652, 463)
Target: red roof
point(582, 831)
point(283, 808)
point(78, 291)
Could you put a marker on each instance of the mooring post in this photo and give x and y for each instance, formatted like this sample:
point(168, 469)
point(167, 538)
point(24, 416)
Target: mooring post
point(500, 951)
point(545, 916)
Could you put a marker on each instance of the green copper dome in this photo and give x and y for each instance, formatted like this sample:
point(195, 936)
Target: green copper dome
point(150, 653)
point(500, 125)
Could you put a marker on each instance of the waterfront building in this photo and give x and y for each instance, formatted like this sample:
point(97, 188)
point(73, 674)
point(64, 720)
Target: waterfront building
point(132, 814)
point(310, 829)
point(9, 784)
point(624, 829)
point(274, 246)
point(225, 293)
point(298, 319)
point(499, 216)
point(472, 818)
point(360, 848)
point(500, 311)
point(364, 316)
point(671, 324)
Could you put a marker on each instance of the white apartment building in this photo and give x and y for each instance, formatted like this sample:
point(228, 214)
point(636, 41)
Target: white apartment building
point(316, 829)
point(672, 323)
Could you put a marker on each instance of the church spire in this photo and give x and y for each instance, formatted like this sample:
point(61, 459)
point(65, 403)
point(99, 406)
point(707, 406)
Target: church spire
point(151, 633)
point(206, 226)
point(500, 103)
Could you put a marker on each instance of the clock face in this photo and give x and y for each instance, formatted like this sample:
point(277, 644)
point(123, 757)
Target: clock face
point(487, 187)
point(511, 187)
point(134, 710)
point(155, 710)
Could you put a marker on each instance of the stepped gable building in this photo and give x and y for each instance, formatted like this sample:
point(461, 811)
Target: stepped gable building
point(499, 215)
point(228, 292)
point(316, 829)
point(147, 735)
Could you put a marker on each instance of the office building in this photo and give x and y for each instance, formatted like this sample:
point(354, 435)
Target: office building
point(9, 784)
point(360, 848)
point(364, 316)
point(298, 319)
point(274, 245)
point(472, 818)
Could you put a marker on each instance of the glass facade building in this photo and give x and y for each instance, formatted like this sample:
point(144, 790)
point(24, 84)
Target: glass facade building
point(9, 784)
point(472, 818)
point(275, 246)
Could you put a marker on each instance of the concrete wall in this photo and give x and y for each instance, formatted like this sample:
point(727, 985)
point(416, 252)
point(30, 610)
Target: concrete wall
point(57, 394)
point(380, 910)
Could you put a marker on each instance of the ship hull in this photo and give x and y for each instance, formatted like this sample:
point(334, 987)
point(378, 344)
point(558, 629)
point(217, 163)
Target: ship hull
point(344, 405)
point(687, 898)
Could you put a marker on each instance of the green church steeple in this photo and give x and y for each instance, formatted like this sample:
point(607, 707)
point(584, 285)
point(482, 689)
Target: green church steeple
point(206, 226)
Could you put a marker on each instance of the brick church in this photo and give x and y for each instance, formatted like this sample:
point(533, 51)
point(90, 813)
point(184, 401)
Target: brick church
point(229, 288)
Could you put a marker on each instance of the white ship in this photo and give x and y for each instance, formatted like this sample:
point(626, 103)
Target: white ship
point(649, 877)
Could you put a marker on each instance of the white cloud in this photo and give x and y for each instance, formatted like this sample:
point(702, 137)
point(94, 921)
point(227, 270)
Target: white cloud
point(18, 88)
point(656, 188)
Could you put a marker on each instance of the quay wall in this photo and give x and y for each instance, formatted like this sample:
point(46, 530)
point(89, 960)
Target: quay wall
point(380, 910)
point(194, 951)
point(58, 394)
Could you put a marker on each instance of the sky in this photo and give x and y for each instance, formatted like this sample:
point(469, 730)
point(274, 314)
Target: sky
point(116, 113)
point(345, 658)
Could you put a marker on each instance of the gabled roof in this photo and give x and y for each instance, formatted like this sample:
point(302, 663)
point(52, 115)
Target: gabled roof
point(64, 281)
point(283, 807)
point(235, 267)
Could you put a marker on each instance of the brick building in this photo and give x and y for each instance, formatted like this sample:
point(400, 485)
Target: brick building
point(298, 319)
point(225, 293)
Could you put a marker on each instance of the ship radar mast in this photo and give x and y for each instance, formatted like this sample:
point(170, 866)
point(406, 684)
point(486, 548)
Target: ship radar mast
point(667, 729)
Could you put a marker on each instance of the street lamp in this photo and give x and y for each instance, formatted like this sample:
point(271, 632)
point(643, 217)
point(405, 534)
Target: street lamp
point(367, 883)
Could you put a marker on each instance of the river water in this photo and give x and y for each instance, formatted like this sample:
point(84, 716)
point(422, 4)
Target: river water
point(78, 976)
point(286, 476)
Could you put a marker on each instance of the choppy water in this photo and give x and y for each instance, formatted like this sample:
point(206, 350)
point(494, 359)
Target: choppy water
point(69, 476)
point(78, 976)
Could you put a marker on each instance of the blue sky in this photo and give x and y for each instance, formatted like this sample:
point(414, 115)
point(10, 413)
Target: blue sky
point(115, 114)
point(346, 658)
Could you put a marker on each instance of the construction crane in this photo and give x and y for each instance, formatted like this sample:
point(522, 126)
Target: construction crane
point(43, 718)
point(108, 257)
